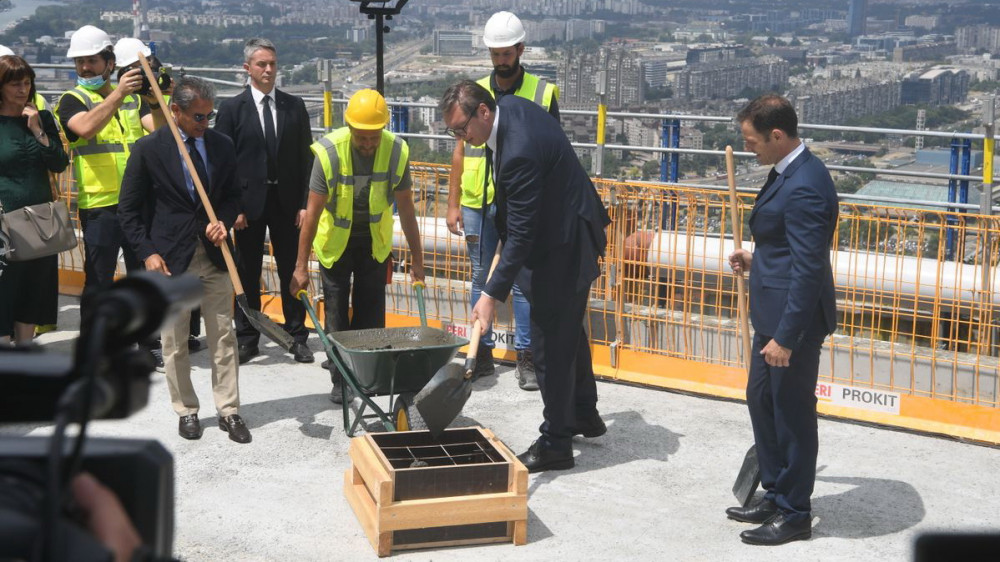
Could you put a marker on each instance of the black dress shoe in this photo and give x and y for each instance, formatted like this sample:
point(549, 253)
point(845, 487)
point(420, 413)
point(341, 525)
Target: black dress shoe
point(778, 530)
point(756, 513)
point(538, 458)
point(591, 426)
point(189, 427)
point(194, 344)
point(302, 353)
point(236, 428)
point(248, 352)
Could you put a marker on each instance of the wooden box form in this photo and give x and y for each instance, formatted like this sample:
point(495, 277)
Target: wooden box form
point(472, 491)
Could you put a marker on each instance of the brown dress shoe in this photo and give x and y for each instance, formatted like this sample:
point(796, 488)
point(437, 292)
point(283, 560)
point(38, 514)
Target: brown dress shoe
point(236, 427)
point(189, 427)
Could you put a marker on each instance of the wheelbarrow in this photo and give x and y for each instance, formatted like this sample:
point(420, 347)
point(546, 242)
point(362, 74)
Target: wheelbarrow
point(393, 362)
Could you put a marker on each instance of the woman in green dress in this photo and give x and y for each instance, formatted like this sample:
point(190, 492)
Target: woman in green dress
point(30, 148)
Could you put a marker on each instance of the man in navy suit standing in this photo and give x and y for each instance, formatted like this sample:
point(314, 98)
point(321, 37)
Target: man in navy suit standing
point(551, 222)
point(792, 309)
point(167, 226)
point(270, 129)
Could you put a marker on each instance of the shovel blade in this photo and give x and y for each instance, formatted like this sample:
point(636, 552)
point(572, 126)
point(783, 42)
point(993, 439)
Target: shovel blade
point(748, 478)
point(265, 325)
point(443, 397)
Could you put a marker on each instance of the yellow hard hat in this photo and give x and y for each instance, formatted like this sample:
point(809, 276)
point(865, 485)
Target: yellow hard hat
point(367, 110)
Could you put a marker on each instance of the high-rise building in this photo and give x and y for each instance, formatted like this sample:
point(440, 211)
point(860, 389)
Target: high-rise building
point(857, 12)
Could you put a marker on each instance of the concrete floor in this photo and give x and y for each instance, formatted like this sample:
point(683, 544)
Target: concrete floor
point(655, 487)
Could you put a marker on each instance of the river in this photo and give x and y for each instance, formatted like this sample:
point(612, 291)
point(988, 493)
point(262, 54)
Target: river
point(21, 9)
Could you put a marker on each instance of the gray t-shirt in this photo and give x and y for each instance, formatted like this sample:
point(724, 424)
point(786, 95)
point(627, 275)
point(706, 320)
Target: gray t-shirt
point(362, 166)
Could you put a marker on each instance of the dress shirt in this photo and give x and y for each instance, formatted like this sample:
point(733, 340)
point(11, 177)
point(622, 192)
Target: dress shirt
point(258, 100)
point(199, 143)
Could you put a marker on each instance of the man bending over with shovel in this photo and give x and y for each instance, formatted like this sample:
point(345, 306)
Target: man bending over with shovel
point(551, 222)
point(359, 172)
point(167, 225)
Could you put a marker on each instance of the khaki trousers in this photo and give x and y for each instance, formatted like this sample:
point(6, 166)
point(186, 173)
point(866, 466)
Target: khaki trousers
point(217, 310)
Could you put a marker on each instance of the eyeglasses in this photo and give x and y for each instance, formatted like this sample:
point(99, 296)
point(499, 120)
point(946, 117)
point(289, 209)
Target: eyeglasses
point(199, 117)
point(461, 131)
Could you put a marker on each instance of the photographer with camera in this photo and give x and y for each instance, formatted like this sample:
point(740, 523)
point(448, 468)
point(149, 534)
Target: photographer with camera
point(74, 497)
point(101, 124)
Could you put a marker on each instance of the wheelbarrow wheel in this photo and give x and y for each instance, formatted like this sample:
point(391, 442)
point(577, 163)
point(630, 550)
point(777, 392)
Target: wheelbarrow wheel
point(405, 414)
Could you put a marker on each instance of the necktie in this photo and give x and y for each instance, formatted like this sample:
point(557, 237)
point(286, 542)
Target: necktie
point(199, 167)
point(771, 176)
point(271, 141)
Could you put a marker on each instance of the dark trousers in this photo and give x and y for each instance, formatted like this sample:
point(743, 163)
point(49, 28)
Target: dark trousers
point(280, 223)
point(102, 239)
point(366, 293)
point(560, 347)
point(782, 403)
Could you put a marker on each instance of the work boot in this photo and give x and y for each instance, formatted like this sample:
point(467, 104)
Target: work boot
point(485, 367)
point(525, 371)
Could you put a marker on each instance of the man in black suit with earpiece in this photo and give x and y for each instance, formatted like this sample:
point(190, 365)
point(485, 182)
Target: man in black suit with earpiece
point(272, 136)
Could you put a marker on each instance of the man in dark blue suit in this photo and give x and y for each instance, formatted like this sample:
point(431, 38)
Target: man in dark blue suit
point(166, 224)
point(551, 222)
point(792, 309)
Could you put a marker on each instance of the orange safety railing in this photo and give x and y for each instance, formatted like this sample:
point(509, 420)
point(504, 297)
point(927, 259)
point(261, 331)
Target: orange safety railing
point(917, 332)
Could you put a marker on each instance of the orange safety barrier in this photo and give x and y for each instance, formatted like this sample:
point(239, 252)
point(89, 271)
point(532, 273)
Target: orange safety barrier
point(917, 343)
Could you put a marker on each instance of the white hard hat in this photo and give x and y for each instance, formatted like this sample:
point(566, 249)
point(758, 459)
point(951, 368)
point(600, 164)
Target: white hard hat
point(4, 51)
point(87, 41)
point(127, 51)
point(503, 29)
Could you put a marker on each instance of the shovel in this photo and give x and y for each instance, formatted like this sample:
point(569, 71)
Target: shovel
point(257, 319)
point(748, 478)
point(443, 397)
point(418, 286)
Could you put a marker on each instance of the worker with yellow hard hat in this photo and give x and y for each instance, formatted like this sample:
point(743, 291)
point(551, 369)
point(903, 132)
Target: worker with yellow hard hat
point(359, 172)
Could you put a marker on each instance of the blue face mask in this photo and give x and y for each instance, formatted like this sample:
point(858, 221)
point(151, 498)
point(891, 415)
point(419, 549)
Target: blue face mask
point(92, 84)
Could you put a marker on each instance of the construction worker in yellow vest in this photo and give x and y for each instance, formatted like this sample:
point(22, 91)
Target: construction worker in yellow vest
point(471, 209)
point(39, 101)
point(359, 172)
point(101, 123)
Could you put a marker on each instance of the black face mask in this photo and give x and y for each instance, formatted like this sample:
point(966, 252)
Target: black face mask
point(509, 72)
point(162, 78)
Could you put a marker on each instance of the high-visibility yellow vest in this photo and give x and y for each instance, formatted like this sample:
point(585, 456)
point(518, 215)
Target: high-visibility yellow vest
point(391, 160)
point(40, 103)
point(99, 163)
point(474, 163)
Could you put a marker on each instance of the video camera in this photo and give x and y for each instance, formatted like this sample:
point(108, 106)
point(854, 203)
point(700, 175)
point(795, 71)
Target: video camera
point(163, 79)
point(108, 378)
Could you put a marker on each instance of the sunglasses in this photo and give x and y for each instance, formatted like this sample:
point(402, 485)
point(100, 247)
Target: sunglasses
point(199, 117)
point(460, 131)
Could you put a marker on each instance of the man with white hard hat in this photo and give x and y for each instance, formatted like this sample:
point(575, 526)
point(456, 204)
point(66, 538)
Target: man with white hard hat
point(101, 124)
point(470, 198)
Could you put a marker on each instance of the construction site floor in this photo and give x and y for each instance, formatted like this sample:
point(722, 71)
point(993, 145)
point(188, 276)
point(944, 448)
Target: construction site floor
point(656, 486)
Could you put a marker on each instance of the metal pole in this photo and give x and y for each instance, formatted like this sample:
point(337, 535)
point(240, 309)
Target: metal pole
point(949, 248)
point(379, 48)
point(665, 143)
point(986, 209)
point(602, 118)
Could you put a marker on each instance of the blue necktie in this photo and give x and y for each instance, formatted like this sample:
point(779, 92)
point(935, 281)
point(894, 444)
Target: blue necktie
point(199, 167)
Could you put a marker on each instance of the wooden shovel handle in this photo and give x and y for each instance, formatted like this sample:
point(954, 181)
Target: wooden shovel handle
point(741, 291)
point(477, 326)
point(226, 254)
